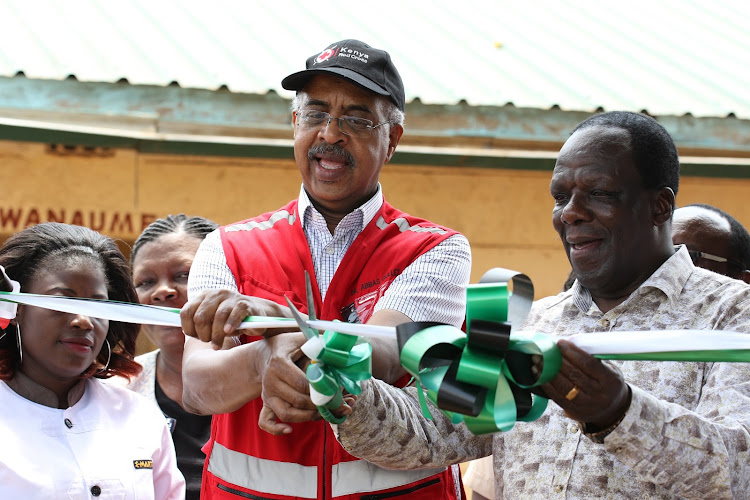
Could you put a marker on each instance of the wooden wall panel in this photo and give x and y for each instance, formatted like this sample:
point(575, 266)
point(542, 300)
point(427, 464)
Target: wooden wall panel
point(505, 213)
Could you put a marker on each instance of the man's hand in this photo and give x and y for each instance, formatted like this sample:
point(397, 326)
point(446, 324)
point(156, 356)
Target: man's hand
point(286, 391)
point(267, 419)
point(215, 314)
point(602, 396)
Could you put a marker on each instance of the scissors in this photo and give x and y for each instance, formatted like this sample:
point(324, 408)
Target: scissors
point(307, 326)
point(304, 326)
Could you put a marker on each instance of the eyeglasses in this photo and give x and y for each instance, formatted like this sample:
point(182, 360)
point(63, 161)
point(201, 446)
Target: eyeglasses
point(695, 255)
point(349, 125)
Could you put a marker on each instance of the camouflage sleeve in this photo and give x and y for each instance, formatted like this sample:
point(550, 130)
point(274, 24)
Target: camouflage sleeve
point(694, 454)
point(388, 429)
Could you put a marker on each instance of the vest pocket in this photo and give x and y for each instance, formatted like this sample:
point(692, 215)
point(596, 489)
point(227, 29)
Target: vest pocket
point(405, 491)
point(240, 494)
point(249, 285)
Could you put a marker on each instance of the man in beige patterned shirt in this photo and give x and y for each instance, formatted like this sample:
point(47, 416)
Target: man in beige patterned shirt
point(626, 429)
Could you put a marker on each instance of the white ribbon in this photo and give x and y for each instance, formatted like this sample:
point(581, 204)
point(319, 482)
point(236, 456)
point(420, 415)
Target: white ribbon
point(634, 342)
point(619, 342)
point(124, 311)
point(8, 309)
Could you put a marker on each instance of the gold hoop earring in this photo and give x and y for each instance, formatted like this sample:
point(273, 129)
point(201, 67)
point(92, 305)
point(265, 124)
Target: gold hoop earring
point(109, 356)
point(18, 341)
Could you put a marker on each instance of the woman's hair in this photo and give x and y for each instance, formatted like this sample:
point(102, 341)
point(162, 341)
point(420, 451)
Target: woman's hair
point(32, 250)
point(195, 226)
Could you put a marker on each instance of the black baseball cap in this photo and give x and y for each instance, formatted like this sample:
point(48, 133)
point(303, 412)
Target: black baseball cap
point(370, 68)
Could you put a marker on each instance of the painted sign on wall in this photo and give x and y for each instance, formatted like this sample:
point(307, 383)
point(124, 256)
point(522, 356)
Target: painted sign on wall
point(113, 223)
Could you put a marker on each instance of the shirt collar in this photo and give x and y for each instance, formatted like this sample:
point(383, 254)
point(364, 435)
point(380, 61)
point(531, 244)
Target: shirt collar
point(670, 279)
point(369, 209)
point(27, 388)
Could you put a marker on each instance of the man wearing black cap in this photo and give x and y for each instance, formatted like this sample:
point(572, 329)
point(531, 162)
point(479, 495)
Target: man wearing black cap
point(368, 262)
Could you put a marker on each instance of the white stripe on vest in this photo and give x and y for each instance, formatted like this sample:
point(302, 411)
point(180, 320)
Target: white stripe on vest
point(266, 224)
point(302, 481)
point(403, 225)
point(361, 476)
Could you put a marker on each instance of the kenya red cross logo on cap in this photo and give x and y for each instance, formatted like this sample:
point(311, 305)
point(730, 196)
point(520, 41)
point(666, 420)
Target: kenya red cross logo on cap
point(326, 55)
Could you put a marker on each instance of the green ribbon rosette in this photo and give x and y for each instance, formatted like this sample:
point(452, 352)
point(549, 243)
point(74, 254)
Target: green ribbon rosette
point(339, 361)
point(482, 377)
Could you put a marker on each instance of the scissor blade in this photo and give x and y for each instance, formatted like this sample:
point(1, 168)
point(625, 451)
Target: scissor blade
point(301, 322)
point(310, 299)
point(371, 331)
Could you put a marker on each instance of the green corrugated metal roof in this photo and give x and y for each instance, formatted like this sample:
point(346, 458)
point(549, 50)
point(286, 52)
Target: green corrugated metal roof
point(667, 57)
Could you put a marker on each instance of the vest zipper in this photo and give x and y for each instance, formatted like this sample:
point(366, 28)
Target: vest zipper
point(241, 493)
point(391, 494)
point(325, 469)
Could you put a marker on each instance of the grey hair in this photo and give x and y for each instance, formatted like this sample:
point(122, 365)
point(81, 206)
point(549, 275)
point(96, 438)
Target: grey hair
point(392, 113)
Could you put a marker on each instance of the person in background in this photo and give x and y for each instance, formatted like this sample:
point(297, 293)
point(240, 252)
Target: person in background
point(64, 432)
point(715, 240)
point(480, 478)
point(368, 262)
point(160, 262)
point(618, 429)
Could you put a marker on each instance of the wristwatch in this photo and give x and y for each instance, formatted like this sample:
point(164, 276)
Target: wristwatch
point(597, 435)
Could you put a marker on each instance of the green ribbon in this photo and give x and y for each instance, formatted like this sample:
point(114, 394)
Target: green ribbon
point(727, 356)
point(339, 361)
point(482, 377)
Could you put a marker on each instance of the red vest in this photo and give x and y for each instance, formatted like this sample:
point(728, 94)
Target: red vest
point(268, 256)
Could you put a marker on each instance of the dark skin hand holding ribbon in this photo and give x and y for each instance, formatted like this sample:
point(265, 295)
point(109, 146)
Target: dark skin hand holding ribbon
point(602, 397)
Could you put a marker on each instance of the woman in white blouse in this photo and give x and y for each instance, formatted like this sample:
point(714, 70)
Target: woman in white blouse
point(65, 434)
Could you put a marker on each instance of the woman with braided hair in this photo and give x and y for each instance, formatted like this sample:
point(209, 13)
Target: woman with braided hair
point(160, 263)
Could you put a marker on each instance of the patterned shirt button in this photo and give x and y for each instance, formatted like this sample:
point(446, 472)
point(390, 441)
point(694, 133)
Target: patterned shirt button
point(558, 488)
point(574, 429)
point(329, 250)
point(68, 423)
point(96, 491)
point(605, 323)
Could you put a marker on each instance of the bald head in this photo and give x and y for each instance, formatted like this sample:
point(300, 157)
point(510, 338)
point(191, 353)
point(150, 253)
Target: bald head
point(708, 231)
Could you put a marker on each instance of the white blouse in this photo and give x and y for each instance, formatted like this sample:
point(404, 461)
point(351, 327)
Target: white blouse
point(113, 443)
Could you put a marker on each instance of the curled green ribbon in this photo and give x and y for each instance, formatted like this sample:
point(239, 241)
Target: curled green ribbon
point(483, 377)
point(339, 361)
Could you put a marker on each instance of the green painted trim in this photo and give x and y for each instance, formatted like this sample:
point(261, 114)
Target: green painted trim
point(723, 171)
point(52, 136)
point(473, 161)
point(216, 149)
point(273, 151)
point(155, 146)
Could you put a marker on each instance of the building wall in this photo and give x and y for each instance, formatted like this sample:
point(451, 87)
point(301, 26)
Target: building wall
point(505, 213)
